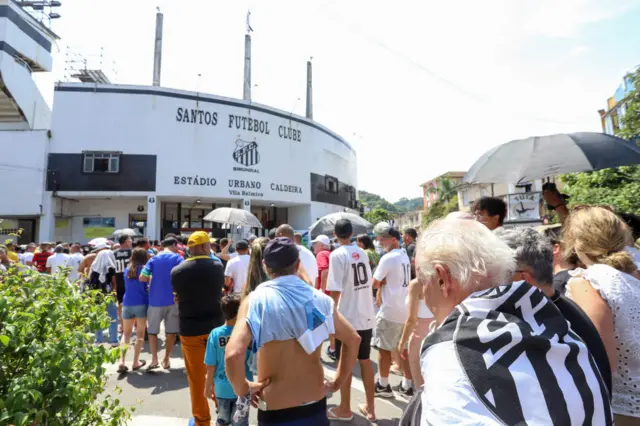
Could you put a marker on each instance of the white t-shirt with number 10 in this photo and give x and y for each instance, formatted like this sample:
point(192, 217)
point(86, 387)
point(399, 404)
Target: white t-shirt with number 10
point(395, 267)
point(350, 274)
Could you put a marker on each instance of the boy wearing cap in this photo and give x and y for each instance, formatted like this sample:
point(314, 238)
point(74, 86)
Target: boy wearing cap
point(392, 276)
point(285, 321)
point(237, 268)
point(197, 284)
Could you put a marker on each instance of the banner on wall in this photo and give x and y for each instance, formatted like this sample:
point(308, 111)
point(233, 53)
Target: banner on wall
point(98, 227)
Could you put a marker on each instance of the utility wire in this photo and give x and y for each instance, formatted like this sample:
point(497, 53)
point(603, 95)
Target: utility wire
point(433, 74)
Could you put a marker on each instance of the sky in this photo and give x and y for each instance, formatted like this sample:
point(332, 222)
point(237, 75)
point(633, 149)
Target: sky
point(418, 87)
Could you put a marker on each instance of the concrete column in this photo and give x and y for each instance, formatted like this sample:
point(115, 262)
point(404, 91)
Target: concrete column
point(153, 222)
point(46, 231)
point(246, 89)
point(246, 205)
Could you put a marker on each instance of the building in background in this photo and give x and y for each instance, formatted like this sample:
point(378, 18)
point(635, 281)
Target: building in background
point(616, 106)
point(469, 193)
point(525, 205)
point(409, 220)
point(148, 157)
point(430, 189)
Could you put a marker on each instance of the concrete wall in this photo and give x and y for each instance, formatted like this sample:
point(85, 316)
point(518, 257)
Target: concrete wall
point(22, 166)
point(72, 214)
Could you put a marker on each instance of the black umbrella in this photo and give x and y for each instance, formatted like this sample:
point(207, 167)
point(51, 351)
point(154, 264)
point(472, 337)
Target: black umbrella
point(542, 156)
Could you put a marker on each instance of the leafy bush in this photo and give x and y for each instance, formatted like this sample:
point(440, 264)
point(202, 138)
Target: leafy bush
point(50, 371)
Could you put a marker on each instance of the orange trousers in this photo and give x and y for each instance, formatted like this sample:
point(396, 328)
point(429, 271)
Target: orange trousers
point(193, 349)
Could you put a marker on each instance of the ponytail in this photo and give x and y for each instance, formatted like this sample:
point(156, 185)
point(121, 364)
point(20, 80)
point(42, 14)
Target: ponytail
point(133, 270)
point(621, 260)
point(139, 258)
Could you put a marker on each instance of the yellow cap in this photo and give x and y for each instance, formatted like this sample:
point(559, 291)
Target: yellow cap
point(197, 238)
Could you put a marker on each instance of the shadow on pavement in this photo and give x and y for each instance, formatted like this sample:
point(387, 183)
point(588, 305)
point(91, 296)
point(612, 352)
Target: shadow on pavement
point(160, 380)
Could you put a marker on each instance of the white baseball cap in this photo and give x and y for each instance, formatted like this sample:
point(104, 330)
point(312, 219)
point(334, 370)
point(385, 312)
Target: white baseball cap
point(101, 245)
point(323, 239)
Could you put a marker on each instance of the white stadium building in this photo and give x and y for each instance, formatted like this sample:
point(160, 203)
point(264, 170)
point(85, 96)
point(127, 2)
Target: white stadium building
point(148, 157)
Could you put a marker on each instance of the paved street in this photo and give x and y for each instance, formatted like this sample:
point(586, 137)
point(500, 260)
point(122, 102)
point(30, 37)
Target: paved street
point(161, 398)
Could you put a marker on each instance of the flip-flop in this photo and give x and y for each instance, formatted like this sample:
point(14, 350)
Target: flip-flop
point(332, 416)
point(153, 367)
point(123, 369)
point(142, 364)
point(365, 414)
point(168, 365)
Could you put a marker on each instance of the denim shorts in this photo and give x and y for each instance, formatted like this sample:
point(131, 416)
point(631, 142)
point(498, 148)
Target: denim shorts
point(136, 311)
point(226, 410)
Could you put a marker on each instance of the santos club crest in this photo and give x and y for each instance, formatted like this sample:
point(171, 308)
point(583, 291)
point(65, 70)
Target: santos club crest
point(246, 153)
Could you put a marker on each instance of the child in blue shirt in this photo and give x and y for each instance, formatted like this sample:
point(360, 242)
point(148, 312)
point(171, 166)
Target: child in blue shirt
point(217, 386)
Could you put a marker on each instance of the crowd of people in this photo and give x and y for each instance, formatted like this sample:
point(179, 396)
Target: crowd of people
point(485, 324)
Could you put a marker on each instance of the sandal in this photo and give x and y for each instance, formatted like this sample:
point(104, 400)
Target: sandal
point(363, 411)
point(142, 364)
point(166, 365)
point(122, 369)
point(153, 367)
point(334, 417)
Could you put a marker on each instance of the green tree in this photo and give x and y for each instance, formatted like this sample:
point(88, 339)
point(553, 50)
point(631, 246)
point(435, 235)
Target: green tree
point(619, 187)
point(50, 372)
point(446, 190)
point(440, 209)
point(409, 204)
point(377, 215)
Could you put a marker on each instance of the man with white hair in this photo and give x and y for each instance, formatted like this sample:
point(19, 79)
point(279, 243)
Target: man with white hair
point(500, 354)
point(460, 215)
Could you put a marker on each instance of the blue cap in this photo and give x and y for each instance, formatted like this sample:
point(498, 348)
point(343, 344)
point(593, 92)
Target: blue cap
point(280, 253)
